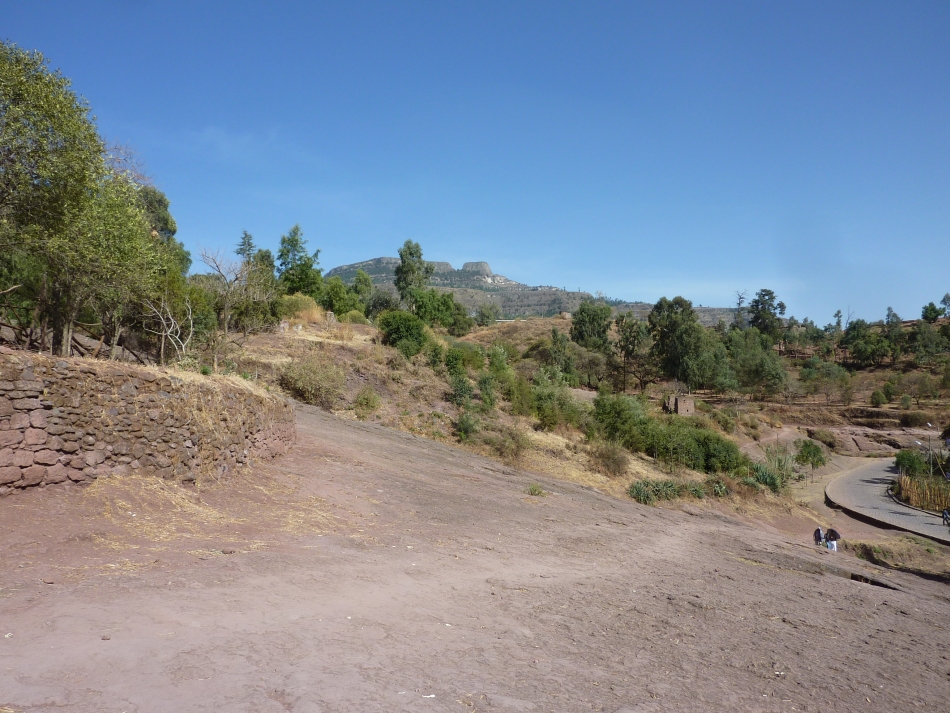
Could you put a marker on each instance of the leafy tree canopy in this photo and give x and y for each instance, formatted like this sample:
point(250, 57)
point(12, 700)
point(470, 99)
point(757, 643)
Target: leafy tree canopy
point(412, 272)
point(590, 325)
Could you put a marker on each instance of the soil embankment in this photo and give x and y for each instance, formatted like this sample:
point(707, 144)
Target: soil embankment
point(373, 570)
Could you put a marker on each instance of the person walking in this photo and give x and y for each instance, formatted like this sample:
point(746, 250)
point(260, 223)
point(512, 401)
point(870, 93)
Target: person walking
point(819, 537)
point(832, 537)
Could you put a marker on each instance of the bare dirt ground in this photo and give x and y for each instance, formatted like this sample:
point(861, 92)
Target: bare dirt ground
point(372, 570)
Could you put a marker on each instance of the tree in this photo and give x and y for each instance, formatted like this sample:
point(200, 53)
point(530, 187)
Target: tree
point(51, 156)
point(297, 268)
point(337, 298)
point(765, 313)
point(810, 453)
point(739, 320)
point(931, 313)
point(156, 207)
point(757, 367)
point(412, 272)
point(590, 325)
point(893, 331)
point(677, 336)
point(246, 248)
point(488, 313)
point(633, 345)
point(363, 285)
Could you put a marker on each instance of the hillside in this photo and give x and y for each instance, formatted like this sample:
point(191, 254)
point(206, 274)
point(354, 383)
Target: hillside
point(475, 284)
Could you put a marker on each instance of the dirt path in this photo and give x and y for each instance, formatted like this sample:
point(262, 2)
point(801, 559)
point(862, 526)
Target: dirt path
point(371, 570)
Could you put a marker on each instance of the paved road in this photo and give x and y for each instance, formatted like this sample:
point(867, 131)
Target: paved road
point(864, 491)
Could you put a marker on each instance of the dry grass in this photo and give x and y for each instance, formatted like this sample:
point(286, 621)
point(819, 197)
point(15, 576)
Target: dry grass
point(926, 493)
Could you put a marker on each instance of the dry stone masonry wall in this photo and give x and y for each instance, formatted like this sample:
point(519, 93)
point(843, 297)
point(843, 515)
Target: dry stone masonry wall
point(76, 420)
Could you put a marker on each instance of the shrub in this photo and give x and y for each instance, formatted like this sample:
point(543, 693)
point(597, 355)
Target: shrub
point(366, 402)
point(915, 419)
point(826, 437)
point(912, 462)
point(764, 475)
point(642, 493)
point(301, 306)
point(435, 355)
point(509, 443)
point(610, 458)
point(521, 397)
point(675, 441)
point(461, 390)
point(486, 390)
point(455, 361)
point(402, 330)
point(878, 399)
point(466, 426)
point(354, 316)
point(535, 490)
point(718, 487)
point(314, 380)
point(649, 491)
point(906, 401)
point(890, 391)
point(696, 490)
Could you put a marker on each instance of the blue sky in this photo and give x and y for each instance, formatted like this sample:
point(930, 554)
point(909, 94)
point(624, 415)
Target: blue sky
point(639, 149)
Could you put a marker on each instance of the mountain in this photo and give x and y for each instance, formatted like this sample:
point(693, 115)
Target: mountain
point(475, 284)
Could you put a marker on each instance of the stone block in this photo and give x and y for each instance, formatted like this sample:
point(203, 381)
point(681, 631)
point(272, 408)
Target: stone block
point(10, 474)
point(75, 475)
point(121, 469)
point(94, 458)
point(57, 474)
point(34, 437)
point(6, 406)
point(22, 458)
point(6, 457)
point(10, 438)
point(38, 419)
point(32, 476)
point(26, 404)
point(78, 461)
point(69, 447)
point(46, 457)
point(55, 443)
point(20, 420)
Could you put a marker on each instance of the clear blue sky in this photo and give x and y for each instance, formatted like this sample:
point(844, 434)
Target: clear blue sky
point(637, 149)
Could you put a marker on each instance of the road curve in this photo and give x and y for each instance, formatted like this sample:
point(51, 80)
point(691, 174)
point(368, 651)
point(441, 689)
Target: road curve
point(864, 491)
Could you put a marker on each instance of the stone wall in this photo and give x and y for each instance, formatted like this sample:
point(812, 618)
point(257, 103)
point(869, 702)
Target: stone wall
point(76, 420)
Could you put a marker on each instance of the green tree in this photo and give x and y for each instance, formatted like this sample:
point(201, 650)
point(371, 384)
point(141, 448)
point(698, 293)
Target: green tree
point(765, 313)
point(928, 343)
point(51, 156)
point(931, 313)
point(488, 313)
point(337, 298)
point(246, 248)
point(633, 346)
point(297, 268)
point(590, 325)
point(363, 286)
point(810, 453)
point(156, 207)
point(893, 332)
point(412, 273)
point(677, 336)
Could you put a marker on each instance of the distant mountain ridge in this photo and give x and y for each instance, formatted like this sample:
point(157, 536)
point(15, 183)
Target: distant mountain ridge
point(475, 284)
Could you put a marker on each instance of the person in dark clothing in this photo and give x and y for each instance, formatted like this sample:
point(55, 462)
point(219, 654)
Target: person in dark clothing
point(832, 537)
point(819, 537)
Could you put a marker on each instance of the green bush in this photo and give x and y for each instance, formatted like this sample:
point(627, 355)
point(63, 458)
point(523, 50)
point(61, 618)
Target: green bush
point(508, 442)
point(535, 490)
point(890, 391)
point(402, 330)
point(466, 426)
point(366, 402)
point(672, 440)
point(718, 487)
point(766, 476)
point(435, 355)
point(521, 397)
point(826, 437)
point(461, 391)
point(354, 316)
point(696, 490)
point(648, 492)
point(314, 380)
point(455, 361)
point(878, 399)
point(906, 401)
point(912, 462)
point(486, 390)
